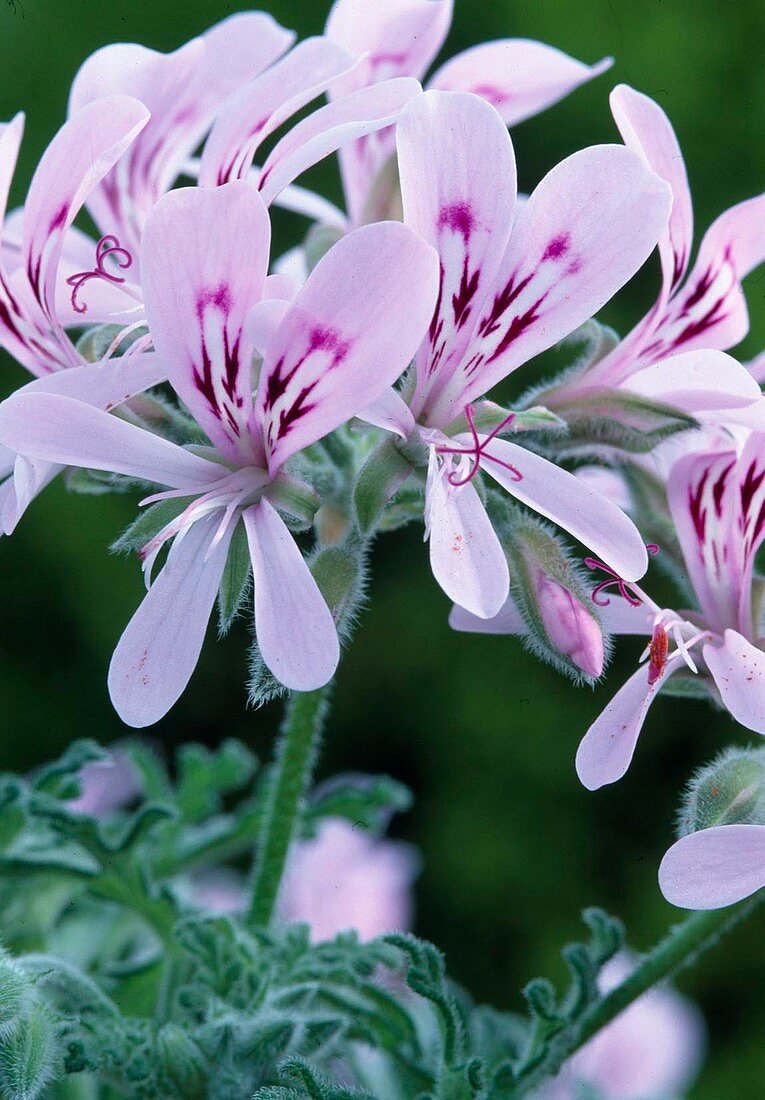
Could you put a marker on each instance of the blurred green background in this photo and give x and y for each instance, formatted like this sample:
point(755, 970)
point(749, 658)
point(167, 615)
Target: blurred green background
point(485, 735)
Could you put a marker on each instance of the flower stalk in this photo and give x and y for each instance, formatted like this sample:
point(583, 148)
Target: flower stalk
point(293, 769)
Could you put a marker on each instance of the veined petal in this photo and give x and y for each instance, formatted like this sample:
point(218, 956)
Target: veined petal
point(586, 229)
point(508, 620)
point(566, 500)
point(75, 162)
point(738, 670)
point(606, 750)
point(394, 38)
point(352, 329)
point(204, 259)
point(259, 108)
point(326, 130)
point(703, 492)
point(647, 131)
point(160, 647)
point(182, 91)
point(518, 76)
point(458, 185)
point(466, 555)
point(59, 429)
point(714, 867)
point(710, 310)
point(294, 627)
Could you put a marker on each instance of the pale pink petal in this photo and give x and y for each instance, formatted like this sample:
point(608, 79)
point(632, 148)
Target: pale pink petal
point(714, 867)
point(263, 321)
point(710, 310)
point(647, 131)
point(217, 240)
point(59, 429)
point(75, 162)
point(328, 129)
point(389, 412)
point(160, 647)
point(466, 555)
point(352, 330)
point(259, 108)
point(606, 750)
point(609, 482)
point(619, 616)
point(738, 670)
point(300, 200)
point(394, 38)
point(30, 476)
point(586, 229)
point(182, 91)
point(458, 187)
point(518, 76)
point(11, 134)
point(757, 368)
point(695, 381)
point(294, 627)
point(507, 621)
point(563, 498)
point(107, 384)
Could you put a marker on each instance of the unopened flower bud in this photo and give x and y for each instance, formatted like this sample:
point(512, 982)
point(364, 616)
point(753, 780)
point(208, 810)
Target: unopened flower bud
point(729, 791)
point(181, 1061)
point(570, 627)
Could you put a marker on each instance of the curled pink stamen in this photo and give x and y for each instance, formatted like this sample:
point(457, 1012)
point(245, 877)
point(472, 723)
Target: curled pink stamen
point(108, 246)
point(478, 451)
point(614, 580)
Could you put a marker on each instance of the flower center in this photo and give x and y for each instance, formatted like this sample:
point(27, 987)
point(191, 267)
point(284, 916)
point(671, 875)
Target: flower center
point(234, 491)
point(657, 653)
point(476, 451)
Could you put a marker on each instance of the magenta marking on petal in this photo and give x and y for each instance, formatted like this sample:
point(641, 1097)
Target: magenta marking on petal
point(557, 248)
point(494, 95)
point(219, 297)
point(59, 217)
point(461, 301)
point(459, 217)
point(697, 511)
point(516, 328)
point(107, 247)
point(502, 303)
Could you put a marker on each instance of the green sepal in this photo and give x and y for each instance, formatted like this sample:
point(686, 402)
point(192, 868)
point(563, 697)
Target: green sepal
point(487, 417)
point(622, 420)
point(382, 475)
point(236, 581)
point(729, 791)
point(295, 498)
point(28, 1057)
point(94, 342)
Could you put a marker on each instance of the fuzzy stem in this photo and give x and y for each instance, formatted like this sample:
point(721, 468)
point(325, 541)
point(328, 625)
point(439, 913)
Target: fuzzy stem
point(680, 948)
point(293, 769)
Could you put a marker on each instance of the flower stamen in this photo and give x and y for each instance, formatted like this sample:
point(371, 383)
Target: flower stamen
point(477, 451)
point(107, 247)
point(626, 591)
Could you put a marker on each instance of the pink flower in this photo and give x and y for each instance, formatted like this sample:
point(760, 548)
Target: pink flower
point(346, 879)
point(674, 355)
point(395, 38)
point(717, 504)
point(510, 288)
point(651, 1051)
point(348, 334)
point(106, 786)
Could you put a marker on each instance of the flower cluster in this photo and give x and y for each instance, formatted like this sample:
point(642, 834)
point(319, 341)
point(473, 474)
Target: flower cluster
point(276, 414)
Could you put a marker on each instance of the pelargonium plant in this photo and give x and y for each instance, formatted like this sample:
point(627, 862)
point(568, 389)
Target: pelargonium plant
point(217, 928)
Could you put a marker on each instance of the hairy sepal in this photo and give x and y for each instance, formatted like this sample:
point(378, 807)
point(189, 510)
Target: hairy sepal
point(382, 475)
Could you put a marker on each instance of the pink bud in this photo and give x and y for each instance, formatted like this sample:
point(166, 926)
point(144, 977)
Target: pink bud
point(569, 625)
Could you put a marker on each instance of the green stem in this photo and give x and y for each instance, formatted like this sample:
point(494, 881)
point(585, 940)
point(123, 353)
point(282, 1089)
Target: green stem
point(680, 948)
point(296, 756)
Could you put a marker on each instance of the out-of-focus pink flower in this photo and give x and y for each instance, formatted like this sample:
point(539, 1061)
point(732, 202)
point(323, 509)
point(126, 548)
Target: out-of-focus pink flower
point(651, 1051)
point(346, 879)
point(106, 786)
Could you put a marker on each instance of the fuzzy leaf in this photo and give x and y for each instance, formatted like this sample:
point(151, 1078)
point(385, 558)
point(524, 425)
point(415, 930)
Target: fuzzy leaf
point(366, 800)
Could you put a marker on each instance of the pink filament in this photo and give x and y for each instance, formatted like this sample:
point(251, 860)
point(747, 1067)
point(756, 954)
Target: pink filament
point(615, 580)
point(478, 450)
point(107, 246)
